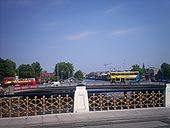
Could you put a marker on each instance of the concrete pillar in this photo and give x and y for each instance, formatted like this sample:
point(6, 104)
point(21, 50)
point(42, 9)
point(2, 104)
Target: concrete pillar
point(167, 97)
point(81, 103)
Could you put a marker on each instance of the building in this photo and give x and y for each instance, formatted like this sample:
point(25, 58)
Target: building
point(46, 76)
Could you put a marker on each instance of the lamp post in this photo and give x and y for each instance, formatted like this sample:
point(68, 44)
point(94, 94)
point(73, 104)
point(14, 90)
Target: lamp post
point(105, 65)
point(58, 74)
point(62, 74)
point(162, 75)
point(40, 77)
point(17, 77)
point(149, 75)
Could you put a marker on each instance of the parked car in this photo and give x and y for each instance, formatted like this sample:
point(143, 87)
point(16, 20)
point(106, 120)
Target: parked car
point(54, 84)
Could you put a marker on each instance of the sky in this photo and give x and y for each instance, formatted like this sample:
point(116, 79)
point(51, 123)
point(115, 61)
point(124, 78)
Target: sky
point(86, 33)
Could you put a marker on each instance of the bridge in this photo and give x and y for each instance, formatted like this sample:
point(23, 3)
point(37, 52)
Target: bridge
point(71, 87)
point(97, 105)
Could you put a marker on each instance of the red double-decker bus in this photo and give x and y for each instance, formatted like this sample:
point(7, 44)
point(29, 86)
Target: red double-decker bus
point(19, 83)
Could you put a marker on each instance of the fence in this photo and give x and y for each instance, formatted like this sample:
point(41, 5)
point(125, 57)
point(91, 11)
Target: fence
point(125, 100)
point(61, 99)
point(39, 102)
point(126, 97)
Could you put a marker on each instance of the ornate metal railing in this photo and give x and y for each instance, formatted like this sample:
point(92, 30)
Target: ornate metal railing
point(42, 101)
point(35, 105)
point(126, 97)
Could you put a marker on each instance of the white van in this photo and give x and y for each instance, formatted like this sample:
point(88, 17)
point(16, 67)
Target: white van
point(53, 84)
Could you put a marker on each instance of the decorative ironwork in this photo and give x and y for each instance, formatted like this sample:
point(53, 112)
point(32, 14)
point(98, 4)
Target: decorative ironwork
point(125, 100)
point(29, 106)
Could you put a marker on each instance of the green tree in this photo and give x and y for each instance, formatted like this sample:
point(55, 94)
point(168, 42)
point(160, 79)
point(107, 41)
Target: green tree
point(79, 75)
point(26, 71)
point(165, 68)
point(136, 67)
point(70, 69)
point(37, 69)
point(64, 70)
point(159, 75)
point(1, 69)
point(7, 68)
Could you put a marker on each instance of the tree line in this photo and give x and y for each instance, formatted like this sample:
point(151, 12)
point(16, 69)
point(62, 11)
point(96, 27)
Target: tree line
point(163, 72)
point(8, 69)
point(65, 70)
point(62, 70)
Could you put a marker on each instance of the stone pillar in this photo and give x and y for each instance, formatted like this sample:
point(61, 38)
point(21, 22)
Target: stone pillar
point(167, 97)
point(81, 103)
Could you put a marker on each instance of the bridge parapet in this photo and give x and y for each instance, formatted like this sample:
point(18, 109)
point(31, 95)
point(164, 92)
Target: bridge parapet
point(126, 100)
point(37, 102)
point(93, 97)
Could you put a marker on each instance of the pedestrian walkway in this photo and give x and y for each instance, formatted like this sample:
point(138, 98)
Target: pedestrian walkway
point(133, 118)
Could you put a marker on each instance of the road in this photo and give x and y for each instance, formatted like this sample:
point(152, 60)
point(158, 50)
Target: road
point(134, 118)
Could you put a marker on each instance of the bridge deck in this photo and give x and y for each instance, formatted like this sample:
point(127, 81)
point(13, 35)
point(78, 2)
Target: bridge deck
point(136, 118)
point(93, 86)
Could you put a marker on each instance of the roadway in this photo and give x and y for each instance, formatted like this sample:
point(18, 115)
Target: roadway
point(92, 87)
point(134, 118)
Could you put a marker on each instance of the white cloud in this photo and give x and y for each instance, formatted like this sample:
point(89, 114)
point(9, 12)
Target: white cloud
point(79, 36)
point(120, 32)
point(126, 31)
point(113, 9)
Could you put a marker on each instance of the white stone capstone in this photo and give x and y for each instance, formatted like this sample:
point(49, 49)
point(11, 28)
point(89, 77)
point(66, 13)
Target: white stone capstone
point(167, 97)
point(81, 103)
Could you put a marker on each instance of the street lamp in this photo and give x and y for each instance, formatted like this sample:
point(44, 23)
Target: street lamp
point(149, 75)
point(62, 74)
point(58, 74)
point(105, 65)
point(162, 75)
point(17, 77)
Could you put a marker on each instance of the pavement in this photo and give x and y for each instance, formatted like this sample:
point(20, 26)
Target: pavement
point(132, 118)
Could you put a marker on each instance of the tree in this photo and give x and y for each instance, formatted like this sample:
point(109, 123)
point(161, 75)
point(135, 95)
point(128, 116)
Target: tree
point(79, 75)
point(64, 70)
point(165, 68)
point(7, 68)
point(37, 69)
point(136, 67)
point(26, 71)
point(70, 69)
point(159, 75)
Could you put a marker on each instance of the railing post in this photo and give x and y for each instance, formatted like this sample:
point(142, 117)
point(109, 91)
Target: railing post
point(167, 95)
point(81, 103)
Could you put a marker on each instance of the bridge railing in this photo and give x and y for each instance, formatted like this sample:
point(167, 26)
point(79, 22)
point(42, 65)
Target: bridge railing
point(126, 97)
point(96, 97)
point(30, 104)
point(127, 83)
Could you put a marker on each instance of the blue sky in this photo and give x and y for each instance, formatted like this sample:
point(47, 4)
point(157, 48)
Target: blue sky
point(86, 33)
